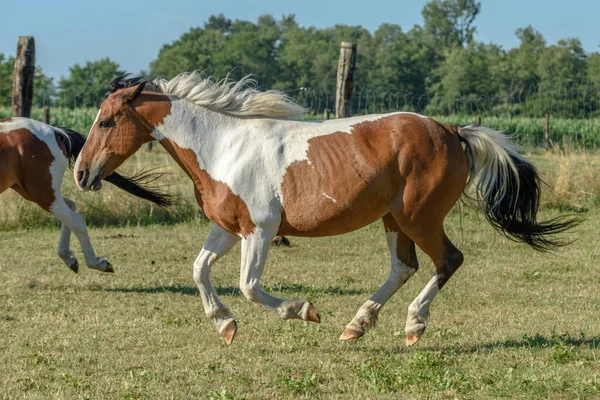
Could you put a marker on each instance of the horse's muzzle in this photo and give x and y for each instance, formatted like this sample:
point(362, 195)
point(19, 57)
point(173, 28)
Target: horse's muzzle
point(88, 181)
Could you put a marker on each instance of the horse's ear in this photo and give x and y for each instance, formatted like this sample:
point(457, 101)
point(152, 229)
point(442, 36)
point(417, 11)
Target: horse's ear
point(131, 93)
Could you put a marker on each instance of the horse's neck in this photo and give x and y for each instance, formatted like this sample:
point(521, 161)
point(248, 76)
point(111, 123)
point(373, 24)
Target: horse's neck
point(197, 129)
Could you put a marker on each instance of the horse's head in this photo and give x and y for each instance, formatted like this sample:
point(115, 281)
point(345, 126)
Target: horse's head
point(118, 132)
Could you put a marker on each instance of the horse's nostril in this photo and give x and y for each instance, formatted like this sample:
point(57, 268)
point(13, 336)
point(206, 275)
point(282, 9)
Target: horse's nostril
point(81, 177)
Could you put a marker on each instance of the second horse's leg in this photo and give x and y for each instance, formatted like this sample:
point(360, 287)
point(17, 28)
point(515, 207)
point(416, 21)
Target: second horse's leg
point(64, 243)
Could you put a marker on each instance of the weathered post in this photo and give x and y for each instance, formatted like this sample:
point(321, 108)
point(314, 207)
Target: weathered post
point(345, 80)
point(22, 97)
point(46, 115)
point(547, 133)
point(479, 120)
point(326, 114)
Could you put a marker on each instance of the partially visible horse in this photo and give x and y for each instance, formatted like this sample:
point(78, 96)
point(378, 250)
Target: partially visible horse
point(33, 159)
point(258, 174)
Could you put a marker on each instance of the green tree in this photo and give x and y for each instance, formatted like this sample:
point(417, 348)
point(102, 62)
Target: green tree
point(6, 79)
point(87, 85)
point(524, 59)
point(449, 23)
point(467, 76)
point(44, 90)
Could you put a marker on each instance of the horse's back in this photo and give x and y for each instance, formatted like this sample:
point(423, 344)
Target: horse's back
point(350, 179)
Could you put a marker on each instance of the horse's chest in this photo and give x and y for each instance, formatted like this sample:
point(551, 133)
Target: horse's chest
point(221, 205)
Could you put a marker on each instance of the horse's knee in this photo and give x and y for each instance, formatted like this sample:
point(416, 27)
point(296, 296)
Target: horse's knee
point(202, 266)
point(250, 291)
point(71, 204)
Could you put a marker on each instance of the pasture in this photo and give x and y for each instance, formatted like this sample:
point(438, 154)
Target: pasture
point(510, 323)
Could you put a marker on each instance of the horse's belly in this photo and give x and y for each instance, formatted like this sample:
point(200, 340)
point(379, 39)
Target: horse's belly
point(330, 221)
point(323, 210)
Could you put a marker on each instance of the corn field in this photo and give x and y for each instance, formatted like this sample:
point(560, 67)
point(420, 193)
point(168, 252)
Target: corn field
point(526, 131)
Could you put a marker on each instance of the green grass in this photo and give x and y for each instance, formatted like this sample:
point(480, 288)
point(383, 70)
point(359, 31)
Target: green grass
point(511, 323)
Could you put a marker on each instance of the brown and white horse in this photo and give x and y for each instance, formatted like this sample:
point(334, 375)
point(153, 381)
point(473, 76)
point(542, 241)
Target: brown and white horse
point(258, 174)
point(33, 159)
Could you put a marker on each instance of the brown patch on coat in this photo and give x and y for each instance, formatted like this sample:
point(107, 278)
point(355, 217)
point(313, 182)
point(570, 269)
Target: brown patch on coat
point(216, 199)
point(404, 164)
point(25, 166)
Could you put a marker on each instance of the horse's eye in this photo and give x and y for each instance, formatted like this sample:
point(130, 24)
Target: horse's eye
point(105, 124)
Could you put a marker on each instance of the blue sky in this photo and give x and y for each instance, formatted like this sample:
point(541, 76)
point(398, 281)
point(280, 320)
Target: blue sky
point(132, 32)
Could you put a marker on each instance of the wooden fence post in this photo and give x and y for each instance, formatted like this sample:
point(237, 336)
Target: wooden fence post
point(22, 97)
point(479, 120)
point(345, 80)
point(46, 115)
point(547, 133)
point(326, 114)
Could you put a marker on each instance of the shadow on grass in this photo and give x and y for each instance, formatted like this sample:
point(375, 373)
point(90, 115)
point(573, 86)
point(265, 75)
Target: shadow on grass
point(539, 342)
point(235, 291)
point(527, 342)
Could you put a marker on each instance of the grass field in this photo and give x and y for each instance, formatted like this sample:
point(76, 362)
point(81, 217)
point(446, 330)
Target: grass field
point(511, 323)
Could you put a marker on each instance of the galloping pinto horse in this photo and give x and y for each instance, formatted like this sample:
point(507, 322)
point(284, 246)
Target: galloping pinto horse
point(258, 174)
point(33, 159)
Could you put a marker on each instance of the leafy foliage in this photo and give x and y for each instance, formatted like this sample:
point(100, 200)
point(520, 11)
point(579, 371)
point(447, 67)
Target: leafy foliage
point(86, 85)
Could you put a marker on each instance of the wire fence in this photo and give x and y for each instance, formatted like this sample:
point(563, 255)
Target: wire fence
point(574, 100)
point(574, 110)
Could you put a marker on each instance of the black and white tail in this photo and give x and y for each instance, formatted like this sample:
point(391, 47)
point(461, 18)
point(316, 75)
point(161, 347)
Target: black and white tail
point(137, 185)
point(508, 188)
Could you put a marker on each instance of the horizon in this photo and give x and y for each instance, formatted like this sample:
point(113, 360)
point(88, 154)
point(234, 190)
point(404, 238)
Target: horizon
point(58, 46)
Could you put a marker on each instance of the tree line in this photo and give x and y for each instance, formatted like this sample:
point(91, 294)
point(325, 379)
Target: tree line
point(437, 62)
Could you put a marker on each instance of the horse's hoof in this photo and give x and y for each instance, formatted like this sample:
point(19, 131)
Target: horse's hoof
point(351, 334)
point(74, 266)
point(312, 314)
point(281, 241)
point(414, 336)
point(228, 332)
point(109, 268)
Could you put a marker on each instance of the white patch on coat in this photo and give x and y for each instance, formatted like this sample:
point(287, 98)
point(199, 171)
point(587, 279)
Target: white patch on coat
point(418, 311)
point(46, 134)
point(250, 155)
point(329, 197)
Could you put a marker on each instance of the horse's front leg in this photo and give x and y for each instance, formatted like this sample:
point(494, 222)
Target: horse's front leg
point(64, 244)
point(217, 244)
point(75, 222)
point(254, 254)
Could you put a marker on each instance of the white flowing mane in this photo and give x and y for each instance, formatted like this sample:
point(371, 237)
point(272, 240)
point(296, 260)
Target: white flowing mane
point(240, 98)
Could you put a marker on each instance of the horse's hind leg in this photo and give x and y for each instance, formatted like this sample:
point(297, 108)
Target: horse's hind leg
point(217, 244)
point(76, 223)
point(403, 265)
point(64, 244)
point(446, 258)
point(254, 254)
